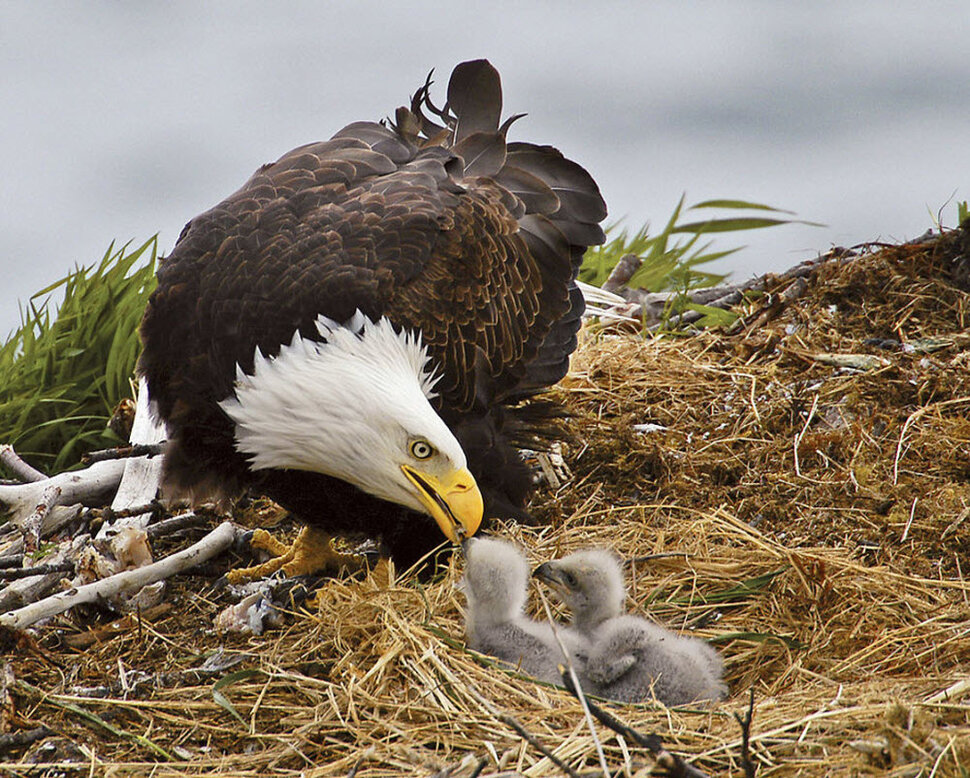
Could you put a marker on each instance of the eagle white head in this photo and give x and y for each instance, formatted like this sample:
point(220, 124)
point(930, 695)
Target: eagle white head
point(355, 405)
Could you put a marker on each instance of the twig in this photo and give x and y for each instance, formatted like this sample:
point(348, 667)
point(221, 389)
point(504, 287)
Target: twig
point(22, 592)
point(622, 273)
point(154, 506)
point(955, 524)
point(649, 306)
point(909, 522)
point(215, 666)
point(510, 721)
point(577, 686)
point(672, 763)
point(366, 756)
point(212, 544)
point(745, 722)
point(124, 452)
point(32, 523)
point(83, 640)
point(174, 524)
point(951, 693)
point(11, 740)
point(59, 516)
point(12, 574)
point(652, 743)
point(20, 469)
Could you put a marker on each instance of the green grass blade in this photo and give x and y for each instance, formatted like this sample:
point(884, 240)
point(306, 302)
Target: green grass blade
point(94, 718)
point(737, 224)
point(738, 205)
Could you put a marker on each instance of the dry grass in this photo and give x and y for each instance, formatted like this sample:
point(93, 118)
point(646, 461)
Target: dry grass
point(816, 520)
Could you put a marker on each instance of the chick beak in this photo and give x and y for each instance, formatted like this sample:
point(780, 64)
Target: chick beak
point(453, 501)
point(544, 572)
point(549, 573)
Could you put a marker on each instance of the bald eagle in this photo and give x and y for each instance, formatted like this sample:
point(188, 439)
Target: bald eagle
point(354, 332)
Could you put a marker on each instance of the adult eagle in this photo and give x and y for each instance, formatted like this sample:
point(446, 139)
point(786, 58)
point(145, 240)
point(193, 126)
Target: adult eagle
point(353, 332)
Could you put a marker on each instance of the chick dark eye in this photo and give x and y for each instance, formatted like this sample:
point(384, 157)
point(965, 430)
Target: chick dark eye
point(570, 580)
point(421, 449)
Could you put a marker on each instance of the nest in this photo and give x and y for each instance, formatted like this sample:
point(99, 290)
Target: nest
point(797, 492)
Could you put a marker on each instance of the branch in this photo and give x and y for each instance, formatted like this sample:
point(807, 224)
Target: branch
point(20, 469)
point(142, 475)
point(648, 307)
point(59, 516)
point(174, 524)
point(129, 622)
point(774, 305)
point(20, 593)
point(212, 544)
point(622, 273)
point(11, 740)
point(109, 514)
point(88, 487)
point(12, 574)
point(745, 722)
point(124, 452)
point(31, 525)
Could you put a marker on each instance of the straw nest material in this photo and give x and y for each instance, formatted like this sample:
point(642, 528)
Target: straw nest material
point(805, 483)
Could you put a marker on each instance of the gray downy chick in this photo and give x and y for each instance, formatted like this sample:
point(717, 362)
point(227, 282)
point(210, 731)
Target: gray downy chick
point(632, 659)
point(496, 586)
point(590, 584)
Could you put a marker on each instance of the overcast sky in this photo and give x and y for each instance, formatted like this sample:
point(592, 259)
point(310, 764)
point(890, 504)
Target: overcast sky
point(120, 120)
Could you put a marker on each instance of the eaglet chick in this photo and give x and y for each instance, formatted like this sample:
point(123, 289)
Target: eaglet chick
point(631, 659)
point(496, 586)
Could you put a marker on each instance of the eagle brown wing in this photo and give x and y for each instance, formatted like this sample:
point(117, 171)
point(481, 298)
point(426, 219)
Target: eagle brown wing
point(443, 229)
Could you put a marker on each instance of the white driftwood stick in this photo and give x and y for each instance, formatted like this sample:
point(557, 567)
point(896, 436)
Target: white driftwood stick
point(59, 516)
point(951, 693)
point(142, 476)
point(214, 543)
point(21, 470)
point(26, 590)
point(76, 486)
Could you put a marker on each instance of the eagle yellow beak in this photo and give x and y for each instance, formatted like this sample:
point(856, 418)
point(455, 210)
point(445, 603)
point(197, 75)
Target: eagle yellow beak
point(453, 501)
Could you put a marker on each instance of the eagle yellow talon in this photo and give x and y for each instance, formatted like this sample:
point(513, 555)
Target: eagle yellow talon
point(264, 541)
point(311, 552)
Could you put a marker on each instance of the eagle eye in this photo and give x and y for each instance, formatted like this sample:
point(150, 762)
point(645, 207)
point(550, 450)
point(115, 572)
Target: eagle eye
point(421, 449)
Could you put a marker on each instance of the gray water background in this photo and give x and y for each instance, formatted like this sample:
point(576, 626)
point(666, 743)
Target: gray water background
point(120, 120)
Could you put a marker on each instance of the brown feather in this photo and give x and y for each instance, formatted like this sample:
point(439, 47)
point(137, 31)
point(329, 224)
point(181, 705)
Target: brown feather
point(475, 98)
